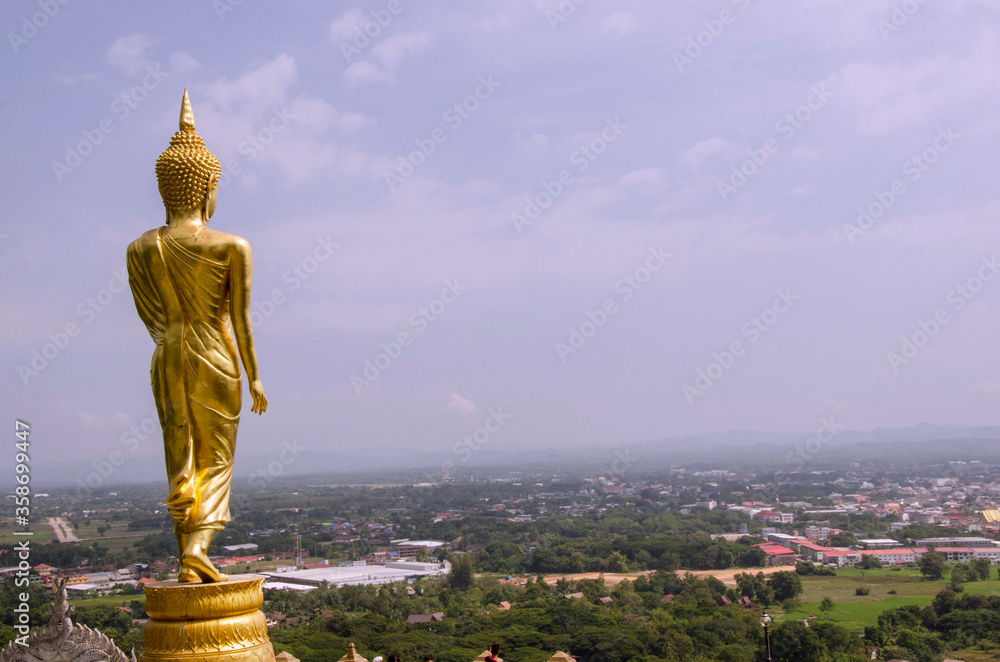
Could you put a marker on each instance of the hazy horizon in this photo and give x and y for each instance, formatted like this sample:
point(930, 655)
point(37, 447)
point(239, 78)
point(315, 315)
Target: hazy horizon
point(547, 223)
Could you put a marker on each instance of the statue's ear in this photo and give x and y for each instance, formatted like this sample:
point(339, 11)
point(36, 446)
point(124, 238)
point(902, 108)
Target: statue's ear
point(211, 196)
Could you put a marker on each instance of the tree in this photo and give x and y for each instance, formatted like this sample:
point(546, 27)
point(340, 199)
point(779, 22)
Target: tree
point(870, 562)
point(981, 568)
point(616, 562)
point(794, 642)
point(461, 571)
point(826, 604)
point(932, 565)
point(920, 645)
point(786, 585)
point(842, 539)
point(944, 602)
point(958, 575)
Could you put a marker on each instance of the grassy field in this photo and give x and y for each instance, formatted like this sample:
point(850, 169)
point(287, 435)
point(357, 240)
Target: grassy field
point(855, 611)
point(109, 601)
point(116, 538)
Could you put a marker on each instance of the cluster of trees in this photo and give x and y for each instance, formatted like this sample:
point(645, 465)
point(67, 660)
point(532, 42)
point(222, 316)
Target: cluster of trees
point(807, 569)
point(693, 625)
point(934, 566)
point(645, 535)
point(64, 555)
point(622, 541)
point(950, 622)
point(766, 590)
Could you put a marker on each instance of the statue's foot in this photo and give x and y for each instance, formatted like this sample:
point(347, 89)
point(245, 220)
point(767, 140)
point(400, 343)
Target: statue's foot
point(198, 566)
point(187, 575)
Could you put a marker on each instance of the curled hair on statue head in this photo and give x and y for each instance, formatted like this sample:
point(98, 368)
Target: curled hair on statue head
point(186, 171)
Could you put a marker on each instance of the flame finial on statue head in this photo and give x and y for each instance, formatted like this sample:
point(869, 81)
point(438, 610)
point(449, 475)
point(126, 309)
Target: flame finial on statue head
point(187, 115)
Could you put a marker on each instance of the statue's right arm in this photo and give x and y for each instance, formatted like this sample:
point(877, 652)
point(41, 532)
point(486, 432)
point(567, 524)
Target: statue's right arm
point(239, 311)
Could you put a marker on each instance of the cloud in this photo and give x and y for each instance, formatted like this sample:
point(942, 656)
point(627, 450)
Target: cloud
point(620, 24)
point(130, 53)
point(647, 180)
point(259, 121)
point(181, 62)
point(346, 26)
point(394, 49)
point(88, 78)
point(387, 56)
point(90, 421)
point(534, 144)
point(803, 191)
point(264, 85)
point(365, 71)
point(900, 95)
point(696, 155)
point(133, 55)
point(460, 405)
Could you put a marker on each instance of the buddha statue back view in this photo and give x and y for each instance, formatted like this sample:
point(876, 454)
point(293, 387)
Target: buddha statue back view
point(188, 281)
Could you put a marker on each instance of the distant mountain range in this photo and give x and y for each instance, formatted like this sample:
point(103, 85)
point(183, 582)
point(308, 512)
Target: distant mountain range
point(714, 450)
point(726, 450)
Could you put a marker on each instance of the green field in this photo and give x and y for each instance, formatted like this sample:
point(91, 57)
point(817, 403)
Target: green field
point(855, 611)
point(109, 601)
point(116, 538)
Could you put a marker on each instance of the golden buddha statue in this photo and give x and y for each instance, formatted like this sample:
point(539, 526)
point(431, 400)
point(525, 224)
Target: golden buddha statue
point(188, 282)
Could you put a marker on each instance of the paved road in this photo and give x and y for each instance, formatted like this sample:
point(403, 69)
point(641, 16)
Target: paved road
point(63, 530)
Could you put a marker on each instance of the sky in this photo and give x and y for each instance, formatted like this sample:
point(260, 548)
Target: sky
point(529, 223)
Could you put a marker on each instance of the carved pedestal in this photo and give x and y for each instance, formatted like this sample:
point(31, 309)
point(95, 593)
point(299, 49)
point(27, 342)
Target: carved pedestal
point(219, 622)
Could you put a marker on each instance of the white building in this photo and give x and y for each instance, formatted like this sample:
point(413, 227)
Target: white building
point(393, 571)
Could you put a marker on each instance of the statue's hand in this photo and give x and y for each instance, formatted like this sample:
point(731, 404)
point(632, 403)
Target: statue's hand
point(259, 400)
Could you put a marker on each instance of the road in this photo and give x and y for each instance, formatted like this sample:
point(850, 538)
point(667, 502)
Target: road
point(63, 530)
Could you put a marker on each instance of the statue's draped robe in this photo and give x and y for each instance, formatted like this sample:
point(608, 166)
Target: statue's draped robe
point(183, 299)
